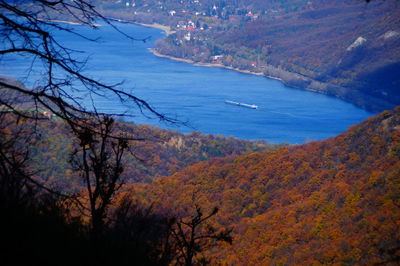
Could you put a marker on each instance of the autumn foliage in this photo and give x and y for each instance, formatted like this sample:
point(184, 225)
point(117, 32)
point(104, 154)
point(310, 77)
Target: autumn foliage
point(330, 202)
point(335, 201)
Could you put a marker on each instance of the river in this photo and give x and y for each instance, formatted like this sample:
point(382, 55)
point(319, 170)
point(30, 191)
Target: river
point(197, 93)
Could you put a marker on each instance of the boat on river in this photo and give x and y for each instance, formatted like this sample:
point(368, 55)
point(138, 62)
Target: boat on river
point(252, 106)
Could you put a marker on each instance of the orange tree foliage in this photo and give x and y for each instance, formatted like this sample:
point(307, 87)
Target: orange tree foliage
point(330, 202)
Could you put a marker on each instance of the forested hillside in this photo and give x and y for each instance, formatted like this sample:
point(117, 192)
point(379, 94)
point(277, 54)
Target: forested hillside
point(155, 153)
point(330, 202)
point(349, 49)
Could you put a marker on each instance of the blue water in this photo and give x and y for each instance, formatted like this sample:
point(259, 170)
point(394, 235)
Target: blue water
point(196, 93)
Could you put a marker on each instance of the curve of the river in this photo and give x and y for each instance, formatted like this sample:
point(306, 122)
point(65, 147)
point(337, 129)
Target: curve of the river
point(197, 93)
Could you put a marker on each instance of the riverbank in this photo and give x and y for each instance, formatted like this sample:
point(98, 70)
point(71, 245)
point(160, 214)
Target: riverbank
point(298, 81)
point(153, 51)
point(166, 29)
point(73, 23)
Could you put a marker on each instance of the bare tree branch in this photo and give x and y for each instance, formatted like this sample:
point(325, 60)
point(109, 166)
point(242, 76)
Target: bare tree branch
point(26, 28)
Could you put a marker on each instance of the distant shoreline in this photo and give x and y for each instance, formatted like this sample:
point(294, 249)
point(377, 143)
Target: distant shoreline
point(73, 23)
point(166, 29)
point(189, 61)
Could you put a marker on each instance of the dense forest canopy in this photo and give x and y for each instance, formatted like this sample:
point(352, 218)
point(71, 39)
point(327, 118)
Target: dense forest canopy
point(329, 202)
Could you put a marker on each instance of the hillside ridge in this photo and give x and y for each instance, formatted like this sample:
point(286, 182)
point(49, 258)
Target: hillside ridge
point(331, 201)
